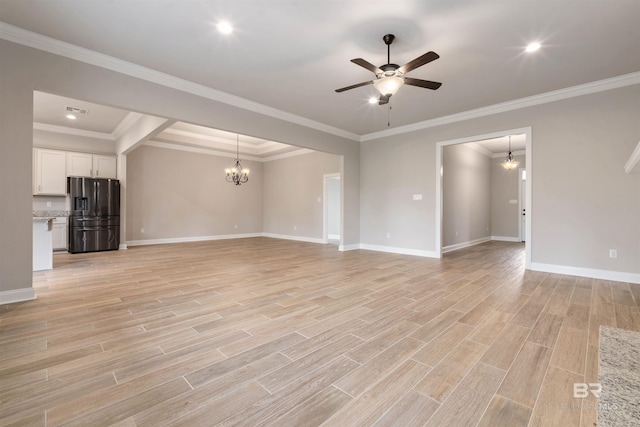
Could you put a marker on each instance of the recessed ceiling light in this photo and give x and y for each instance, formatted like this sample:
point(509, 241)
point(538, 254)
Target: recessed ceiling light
point(71, 117)
point(532, 47)
point(373, 100)
point(224, 27)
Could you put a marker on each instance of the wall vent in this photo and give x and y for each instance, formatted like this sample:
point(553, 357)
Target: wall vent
point(75, 110)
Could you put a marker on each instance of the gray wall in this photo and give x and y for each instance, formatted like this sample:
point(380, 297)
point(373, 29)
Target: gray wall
point(466, 195)
point(581, 208)
point(179, 194)
point(25, 69)
point(504, 187)
point(292, 187)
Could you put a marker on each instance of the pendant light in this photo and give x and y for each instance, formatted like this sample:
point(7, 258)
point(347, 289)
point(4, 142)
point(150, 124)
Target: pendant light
point(237, 174)
point(510, 162)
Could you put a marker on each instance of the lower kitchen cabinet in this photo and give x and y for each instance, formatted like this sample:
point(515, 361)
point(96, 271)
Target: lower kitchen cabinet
point(60, 233)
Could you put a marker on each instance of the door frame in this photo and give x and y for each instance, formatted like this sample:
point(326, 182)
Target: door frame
point(439, 185)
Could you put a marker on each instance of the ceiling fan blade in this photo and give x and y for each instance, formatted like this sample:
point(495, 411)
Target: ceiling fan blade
point(354, 86)
point(384, 99)
point(365, 64)
point(422, 83)
point(418, 62)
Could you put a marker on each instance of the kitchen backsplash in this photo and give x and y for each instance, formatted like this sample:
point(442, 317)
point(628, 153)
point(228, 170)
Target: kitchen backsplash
point(57, 203)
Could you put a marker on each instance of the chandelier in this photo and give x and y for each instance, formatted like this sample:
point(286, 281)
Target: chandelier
point(237, 174)
point(510, 162)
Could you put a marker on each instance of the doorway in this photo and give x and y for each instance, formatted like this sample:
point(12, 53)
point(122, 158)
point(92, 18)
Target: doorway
point(526, 185)
point(332, 208)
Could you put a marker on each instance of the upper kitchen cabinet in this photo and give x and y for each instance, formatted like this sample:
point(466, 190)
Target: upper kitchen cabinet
point(91, 165)
point(49, 172)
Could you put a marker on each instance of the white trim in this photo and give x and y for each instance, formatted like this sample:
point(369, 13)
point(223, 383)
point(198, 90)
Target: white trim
point(529, 101)
point(190, 239)
point(122, 247)
point(633, 160)
point(463, 245)
point(295, 153)
point(73, 131)
point(296, 238)
point(68, 50)
point(439, 204)
point(333, 236)
point(17, 295)
point(505, 239)
point(617, 276)
point(126, 123)
point(345, 248)
point(211, 152)
point(401, 251)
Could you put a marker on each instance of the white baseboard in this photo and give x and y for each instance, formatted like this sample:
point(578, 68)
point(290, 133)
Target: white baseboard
point(122, 247)
point(333, 236)
point(345, 248)
point(394, 250)
point(17, 295)
point(190, 239)
point(616, 276)
point(462, 245)
point(297, 238)
point(505, 239)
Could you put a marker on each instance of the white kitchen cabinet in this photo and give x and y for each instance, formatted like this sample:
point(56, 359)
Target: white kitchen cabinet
point(104, 166)
point(59, 233)
point(49, 172)
point(91, 165)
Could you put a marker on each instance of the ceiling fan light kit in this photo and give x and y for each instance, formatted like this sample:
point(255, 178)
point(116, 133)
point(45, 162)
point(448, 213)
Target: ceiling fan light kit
point(391, 77)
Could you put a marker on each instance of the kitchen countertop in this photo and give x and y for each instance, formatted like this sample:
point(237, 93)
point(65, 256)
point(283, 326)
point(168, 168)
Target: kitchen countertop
point(49, 214)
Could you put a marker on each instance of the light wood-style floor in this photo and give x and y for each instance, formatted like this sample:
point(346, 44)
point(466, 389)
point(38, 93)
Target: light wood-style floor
point(271, 332)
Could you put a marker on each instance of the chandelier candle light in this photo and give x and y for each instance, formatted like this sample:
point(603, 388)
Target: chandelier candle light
point(511, 162)
point(237, 174)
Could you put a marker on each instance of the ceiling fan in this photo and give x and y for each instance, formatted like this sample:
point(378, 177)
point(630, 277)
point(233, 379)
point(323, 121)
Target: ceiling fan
point(390, 77)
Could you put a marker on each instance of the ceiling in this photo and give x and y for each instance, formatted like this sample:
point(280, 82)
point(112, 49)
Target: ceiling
point(290, 55)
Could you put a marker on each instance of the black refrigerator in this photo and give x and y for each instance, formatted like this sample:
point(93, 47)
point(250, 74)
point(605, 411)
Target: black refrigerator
point(94, 220)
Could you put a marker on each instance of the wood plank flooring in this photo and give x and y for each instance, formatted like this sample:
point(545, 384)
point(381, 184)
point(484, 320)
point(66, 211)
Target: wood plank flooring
point(264, 331)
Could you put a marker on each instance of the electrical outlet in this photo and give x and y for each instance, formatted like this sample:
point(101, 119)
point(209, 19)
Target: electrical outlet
point(142, 230)
point(235, 226)
point(388, 235)
point(48, 204)
point(295, 227)
point(613, 253)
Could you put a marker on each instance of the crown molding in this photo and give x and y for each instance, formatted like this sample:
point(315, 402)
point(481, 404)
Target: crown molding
point(529, 101)
point(73, 131)
point(208, 151)
point(126, 123)
point(633, 161)
point(68, 50)
point(478, 148)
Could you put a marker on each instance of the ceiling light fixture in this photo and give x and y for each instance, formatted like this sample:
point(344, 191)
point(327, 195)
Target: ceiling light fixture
point(532, 47)
point(237, 174)
point(224, 27)
point(510, 162)
point(388, 86)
